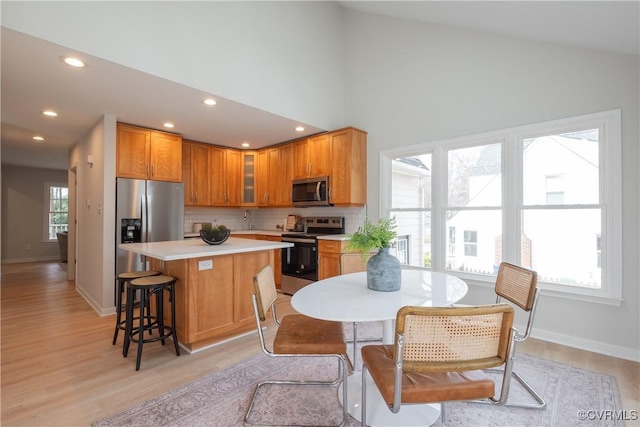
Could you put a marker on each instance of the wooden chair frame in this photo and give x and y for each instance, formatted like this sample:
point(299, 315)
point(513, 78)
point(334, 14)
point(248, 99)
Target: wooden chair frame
point(484, 339)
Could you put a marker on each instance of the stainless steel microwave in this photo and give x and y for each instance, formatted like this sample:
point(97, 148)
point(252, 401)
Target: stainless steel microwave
point(310, 192)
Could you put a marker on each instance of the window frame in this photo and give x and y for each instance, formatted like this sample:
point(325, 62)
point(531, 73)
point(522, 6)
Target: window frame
point(46, 212)
point(610, 197)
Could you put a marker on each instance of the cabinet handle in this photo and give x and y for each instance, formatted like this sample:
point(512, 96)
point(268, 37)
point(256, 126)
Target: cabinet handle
point(196, 197)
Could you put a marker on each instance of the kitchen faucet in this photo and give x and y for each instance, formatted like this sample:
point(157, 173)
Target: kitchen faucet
point(244, 218)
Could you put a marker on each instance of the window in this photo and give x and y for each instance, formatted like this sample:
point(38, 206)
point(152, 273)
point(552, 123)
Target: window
point(57, 214)
point(402, 249)
point(470, 243)
point(544, 196)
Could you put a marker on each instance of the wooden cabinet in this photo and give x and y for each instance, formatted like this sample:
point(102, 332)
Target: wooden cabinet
point(334, 259)
point(283, 175)
point(348, 178)
point(148, 154)
point(249, 179)
point(277, 259)
point(311, 157)
point(224, 177)
point(195, 173)
point(274, 176)
point(214, 304)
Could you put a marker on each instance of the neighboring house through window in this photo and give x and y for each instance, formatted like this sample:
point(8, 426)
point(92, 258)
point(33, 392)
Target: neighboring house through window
point(533, 195)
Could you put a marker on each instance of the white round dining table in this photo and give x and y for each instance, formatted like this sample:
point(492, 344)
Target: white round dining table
point(347, 298)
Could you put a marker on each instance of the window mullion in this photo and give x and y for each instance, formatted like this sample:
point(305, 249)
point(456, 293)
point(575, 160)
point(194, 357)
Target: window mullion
point(439, 184)
point(511, 203)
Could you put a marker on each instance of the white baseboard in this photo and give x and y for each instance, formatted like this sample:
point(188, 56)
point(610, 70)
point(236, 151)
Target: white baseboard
point(32, 259)
point(588, 345)
point(96, 307)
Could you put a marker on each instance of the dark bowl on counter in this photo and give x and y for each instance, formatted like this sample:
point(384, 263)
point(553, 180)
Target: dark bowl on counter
point(215, 238)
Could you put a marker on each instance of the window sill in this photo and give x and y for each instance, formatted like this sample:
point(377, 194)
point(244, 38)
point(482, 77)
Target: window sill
point(554, 293)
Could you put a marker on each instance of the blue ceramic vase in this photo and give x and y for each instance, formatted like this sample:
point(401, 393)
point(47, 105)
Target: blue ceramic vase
point(383, 272)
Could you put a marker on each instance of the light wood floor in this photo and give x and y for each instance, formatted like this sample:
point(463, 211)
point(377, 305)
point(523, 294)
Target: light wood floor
point(60, 369)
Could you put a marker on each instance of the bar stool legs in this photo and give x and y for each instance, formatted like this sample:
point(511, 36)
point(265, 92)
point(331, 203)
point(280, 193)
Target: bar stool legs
point(150, 287)
point(122, 280)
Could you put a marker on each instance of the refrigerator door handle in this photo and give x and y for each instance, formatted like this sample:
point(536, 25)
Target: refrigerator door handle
point(145, 219)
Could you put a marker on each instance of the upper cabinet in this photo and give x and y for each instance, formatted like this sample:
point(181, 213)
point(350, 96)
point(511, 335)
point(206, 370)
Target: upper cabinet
point(195, 173)
point(224, 176)
point(249, 177)
point(311, 157)
point(274, 176)
point(348, 177)
point(148, 154)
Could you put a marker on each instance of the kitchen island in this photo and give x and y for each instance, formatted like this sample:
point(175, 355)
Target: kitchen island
point(214, 286)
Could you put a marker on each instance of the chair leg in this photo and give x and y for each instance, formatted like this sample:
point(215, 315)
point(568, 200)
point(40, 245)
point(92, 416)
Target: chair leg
point(143, 304)
point(342, 374)
point(119, 292)
point(505, 399)
point(174, 335)
point(128, 329)
point(541, 402)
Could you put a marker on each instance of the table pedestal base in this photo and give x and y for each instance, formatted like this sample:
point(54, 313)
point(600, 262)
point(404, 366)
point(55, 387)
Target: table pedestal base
point(378, 414)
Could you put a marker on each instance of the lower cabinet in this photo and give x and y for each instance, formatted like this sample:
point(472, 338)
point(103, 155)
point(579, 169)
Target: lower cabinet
point(277, 262)
point(213, 295)
point(334, 259)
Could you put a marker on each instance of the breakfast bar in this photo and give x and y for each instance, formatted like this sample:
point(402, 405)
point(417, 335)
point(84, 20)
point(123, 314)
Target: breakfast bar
point(214, 284)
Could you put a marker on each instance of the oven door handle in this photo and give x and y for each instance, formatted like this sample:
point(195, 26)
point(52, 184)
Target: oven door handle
point(298, 240)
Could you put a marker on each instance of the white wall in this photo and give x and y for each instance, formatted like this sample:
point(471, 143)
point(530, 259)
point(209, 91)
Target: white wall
point(282, 57)
point(23, 208)
point(408, 83)
point(95, 214)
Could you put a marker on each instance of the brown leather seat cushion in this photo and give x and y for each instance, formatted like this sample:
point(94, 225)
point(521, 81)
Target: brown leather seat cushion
point(424, 387)
point(299, 334)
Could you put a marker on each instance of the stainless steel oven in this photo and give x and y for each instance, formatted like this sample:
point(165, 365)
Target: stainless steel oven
point(300, 262)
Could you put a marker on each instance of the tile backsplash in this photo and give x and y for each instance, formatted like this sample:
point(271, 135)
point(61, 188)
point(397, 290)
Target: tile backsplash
point(268, 219)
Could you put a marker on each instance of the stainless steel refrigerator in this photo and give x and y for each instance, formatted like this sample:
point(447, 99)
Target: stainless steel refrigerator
point(146, 211)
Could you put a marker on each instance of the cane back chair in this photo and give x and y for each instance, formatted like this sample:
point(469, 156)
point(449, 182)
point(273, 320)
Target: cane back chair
point(297, 336)
point(439, 354)
point(518, 285)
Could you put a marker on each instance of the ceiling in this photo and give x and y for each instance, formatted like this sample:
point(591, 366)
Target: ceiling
point(34, 78)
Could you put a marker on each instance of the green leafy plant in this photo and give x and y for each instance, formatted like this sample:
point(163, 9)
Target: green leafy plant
point(373, 236)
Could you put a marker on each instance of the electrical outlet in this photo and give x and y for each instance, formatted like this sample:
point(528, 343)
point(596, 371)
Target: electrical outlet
point(205, 265)
point(28, 246)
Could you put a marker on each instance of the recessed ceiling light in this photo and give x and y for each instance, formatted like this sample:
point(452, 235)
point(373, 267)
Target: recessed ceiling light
point(246, 144)
point(209, 101)
point(299, 129)
point(74, 62)
point(168, 125)
point(50, 113)
point(38, 138)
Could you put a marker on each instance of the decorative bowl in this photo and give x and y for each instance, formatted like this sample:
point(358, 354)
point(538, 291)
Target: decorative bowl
point(218, 239)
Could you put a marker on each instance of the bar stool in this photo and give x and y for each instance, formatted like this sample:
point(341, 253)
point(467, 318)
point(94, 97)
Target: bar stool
point(148, 287)
point(122, 279)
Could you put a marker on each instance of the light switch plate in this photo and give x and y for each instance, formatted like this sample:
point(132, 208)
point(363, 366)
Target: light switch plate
point(205, 265)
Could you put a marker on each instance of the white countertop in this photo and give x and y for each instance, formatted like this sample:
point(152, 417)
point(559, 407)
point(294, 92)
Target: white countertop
point(197, 248)
point(239, 233)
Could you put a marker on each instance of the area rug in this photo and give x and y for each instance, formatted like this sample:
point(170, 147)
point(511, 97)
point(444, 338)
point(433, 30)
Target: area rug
point(221, 398)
